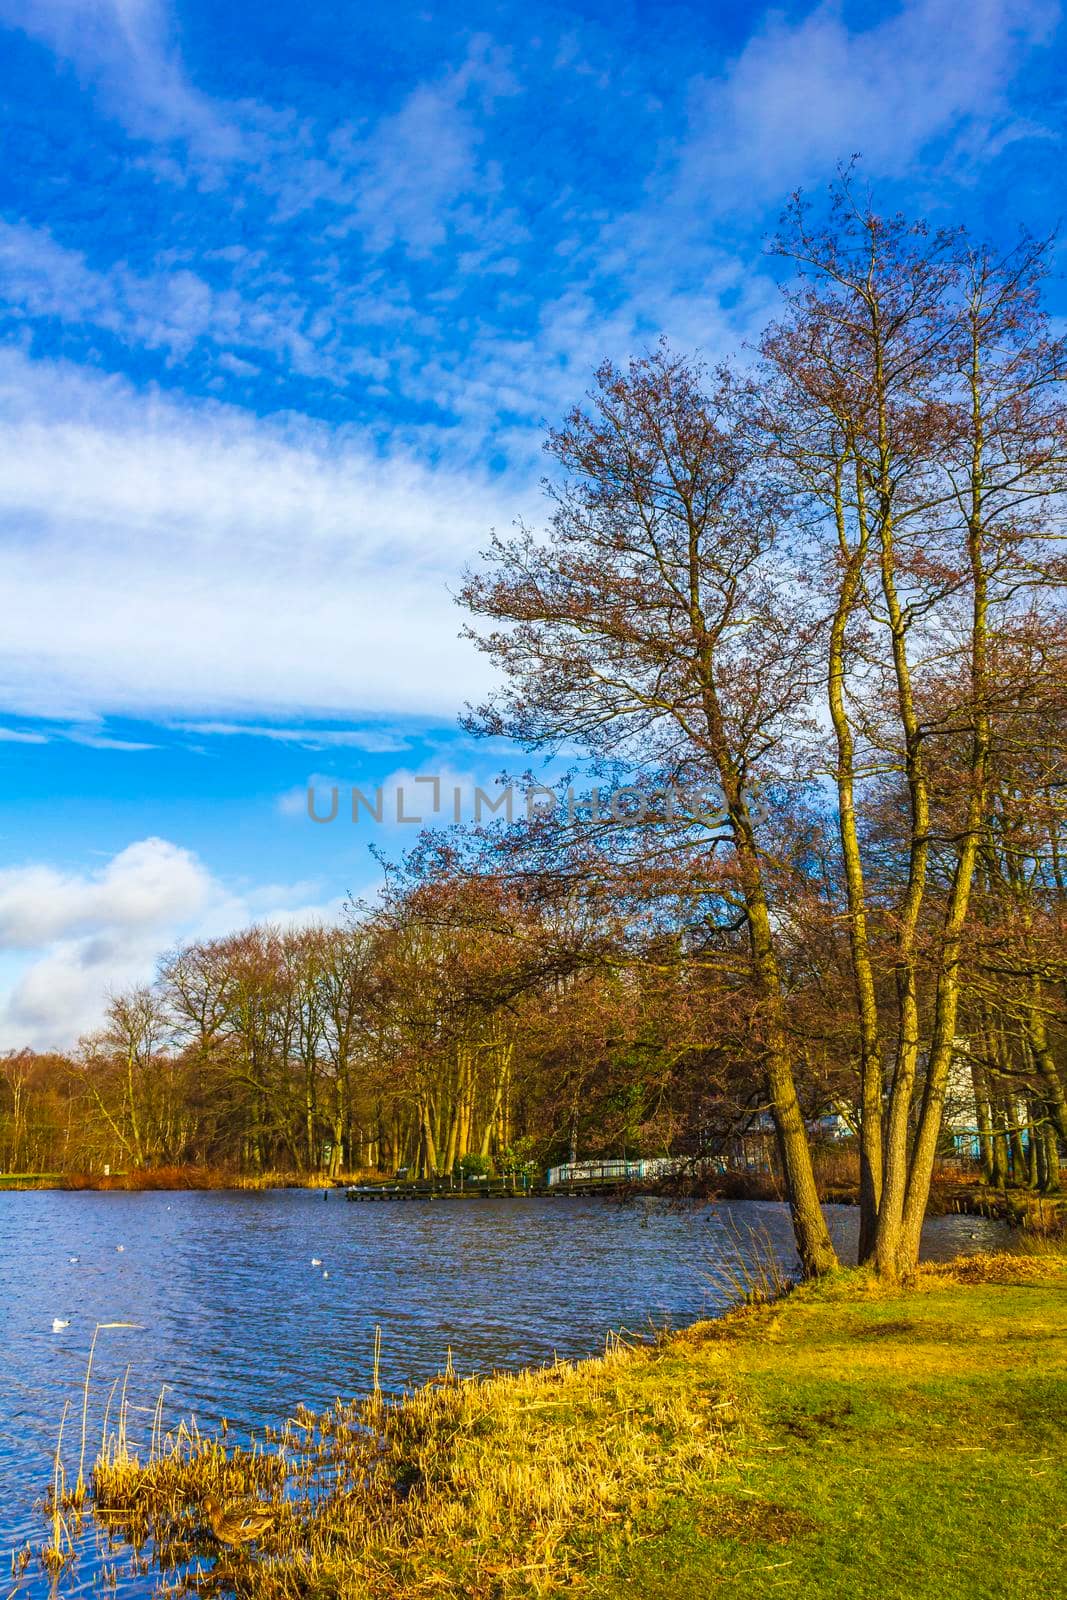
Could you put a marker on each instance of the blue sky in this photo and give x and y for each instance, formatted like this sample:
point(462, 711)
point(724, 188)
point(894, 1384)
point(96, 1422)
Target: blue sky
point(288, 294)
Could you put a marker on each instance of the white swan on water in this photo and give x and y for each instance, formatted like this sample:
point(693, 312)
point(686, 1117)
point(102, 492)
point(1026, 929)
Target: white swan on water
point(315, 1262)
point(58, 1325)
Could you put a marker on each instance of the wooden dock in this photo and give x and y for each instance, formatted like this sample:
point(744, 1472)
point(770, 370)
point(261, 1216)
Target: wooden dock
point(490, 1189)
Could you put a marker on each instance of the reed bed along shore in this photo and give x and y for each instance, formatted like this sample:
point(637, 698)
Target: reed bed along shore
point(844, 1440)
point(149, 1179)
point(508, 1481)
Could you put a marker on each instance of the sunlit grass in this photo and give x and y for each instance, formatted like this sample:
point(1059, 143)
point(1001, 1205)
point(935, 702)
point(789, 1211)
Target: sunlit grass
point(502, 1479)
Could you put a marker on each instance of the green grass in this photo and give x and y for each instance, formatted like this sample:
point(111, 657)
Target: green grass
point(904, 1445)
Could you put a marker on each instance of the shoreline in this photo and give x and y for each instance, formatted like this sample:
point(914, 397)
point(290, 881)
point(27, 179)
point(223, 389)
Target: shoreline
point(183, 1180)
point(1019, 1207)
point(848, 1438)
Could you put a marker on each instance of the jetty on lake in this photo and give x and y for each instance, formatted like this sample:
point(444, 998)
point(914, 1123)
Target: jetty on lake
point(572, 1179)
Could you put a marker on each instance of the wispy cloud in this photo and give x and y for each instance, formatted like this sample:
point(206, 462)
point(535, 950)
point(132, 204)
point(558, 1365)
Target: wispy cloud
point(418, 175)
point(310, 738)
point(411, 250)
point(103, 741)
point(90, 737)
point(171, 310)
point(805, 92)
point(126, 50)
point(163, 559)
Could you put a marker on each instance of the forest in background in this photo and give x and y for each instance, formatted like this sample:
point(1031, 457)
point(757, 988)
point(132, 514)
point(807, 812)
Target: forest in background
point(824, 589)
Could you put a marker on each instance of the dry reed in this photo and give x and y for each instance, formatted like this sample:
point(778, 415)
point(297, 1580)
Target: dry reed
point(749, 1272)
point(490, 1487)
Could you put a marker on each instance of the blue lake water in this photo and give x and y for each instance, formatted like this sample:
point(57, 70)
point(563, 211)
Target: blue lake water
point(232, 1317)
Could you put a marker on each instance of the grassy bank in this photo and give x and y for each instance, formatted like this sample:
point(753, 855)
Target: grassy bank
point(845, 1441)
point(148, 1179)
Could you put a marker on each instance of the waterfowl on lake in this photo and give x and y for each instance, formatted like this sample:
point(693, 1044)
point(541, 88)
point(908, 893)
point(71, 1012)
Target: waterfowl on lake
point(72, 1259)
point(120, 1247)
point(315, 1262)
point(238, 1525)
point(58, 1324)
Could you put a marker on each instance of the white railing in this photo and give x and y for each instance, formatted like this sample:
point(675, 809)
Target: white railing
point(615, 1171)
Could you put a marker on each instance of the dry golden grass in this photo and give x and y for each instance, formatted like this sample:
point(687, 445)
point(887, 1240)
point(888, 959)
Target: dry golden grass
point(1031, 1266)
point(494, 1487)
point(147, 1179)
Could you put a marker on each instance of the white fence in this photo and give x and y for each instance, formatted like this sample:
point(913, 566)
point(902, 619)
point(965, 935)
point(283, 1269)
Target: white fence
point(617, 1171)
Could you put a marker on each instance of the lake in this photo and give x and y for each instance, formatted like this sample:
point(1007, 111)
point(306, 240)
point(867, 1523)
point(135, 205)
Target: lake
point(232, 1317)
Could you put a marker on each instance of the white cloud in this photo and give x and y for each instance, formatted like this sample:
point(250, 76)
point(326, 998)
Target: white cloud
point(73, 937)
point(160, 559)
point(418, 173)
point(126, 50)
point(102, 741)
point(84, 736)
point(148, 885)
point(805, 94)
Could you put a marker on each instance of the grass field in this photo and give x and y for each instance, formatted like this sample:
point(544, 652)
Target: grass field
point(903, 1445)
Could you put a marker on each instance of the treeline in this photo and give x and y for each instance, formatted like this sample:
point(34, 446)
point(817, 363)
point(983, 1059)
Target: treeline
point(826, 592)
point(476, 1021)
point(460, 1025)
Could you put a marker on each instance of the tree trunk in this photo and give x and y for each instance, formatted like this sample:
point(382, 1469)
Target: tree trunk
point(429, 1145)
point(1050, 1182)
point(984, 1120)
point(871, 1087)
